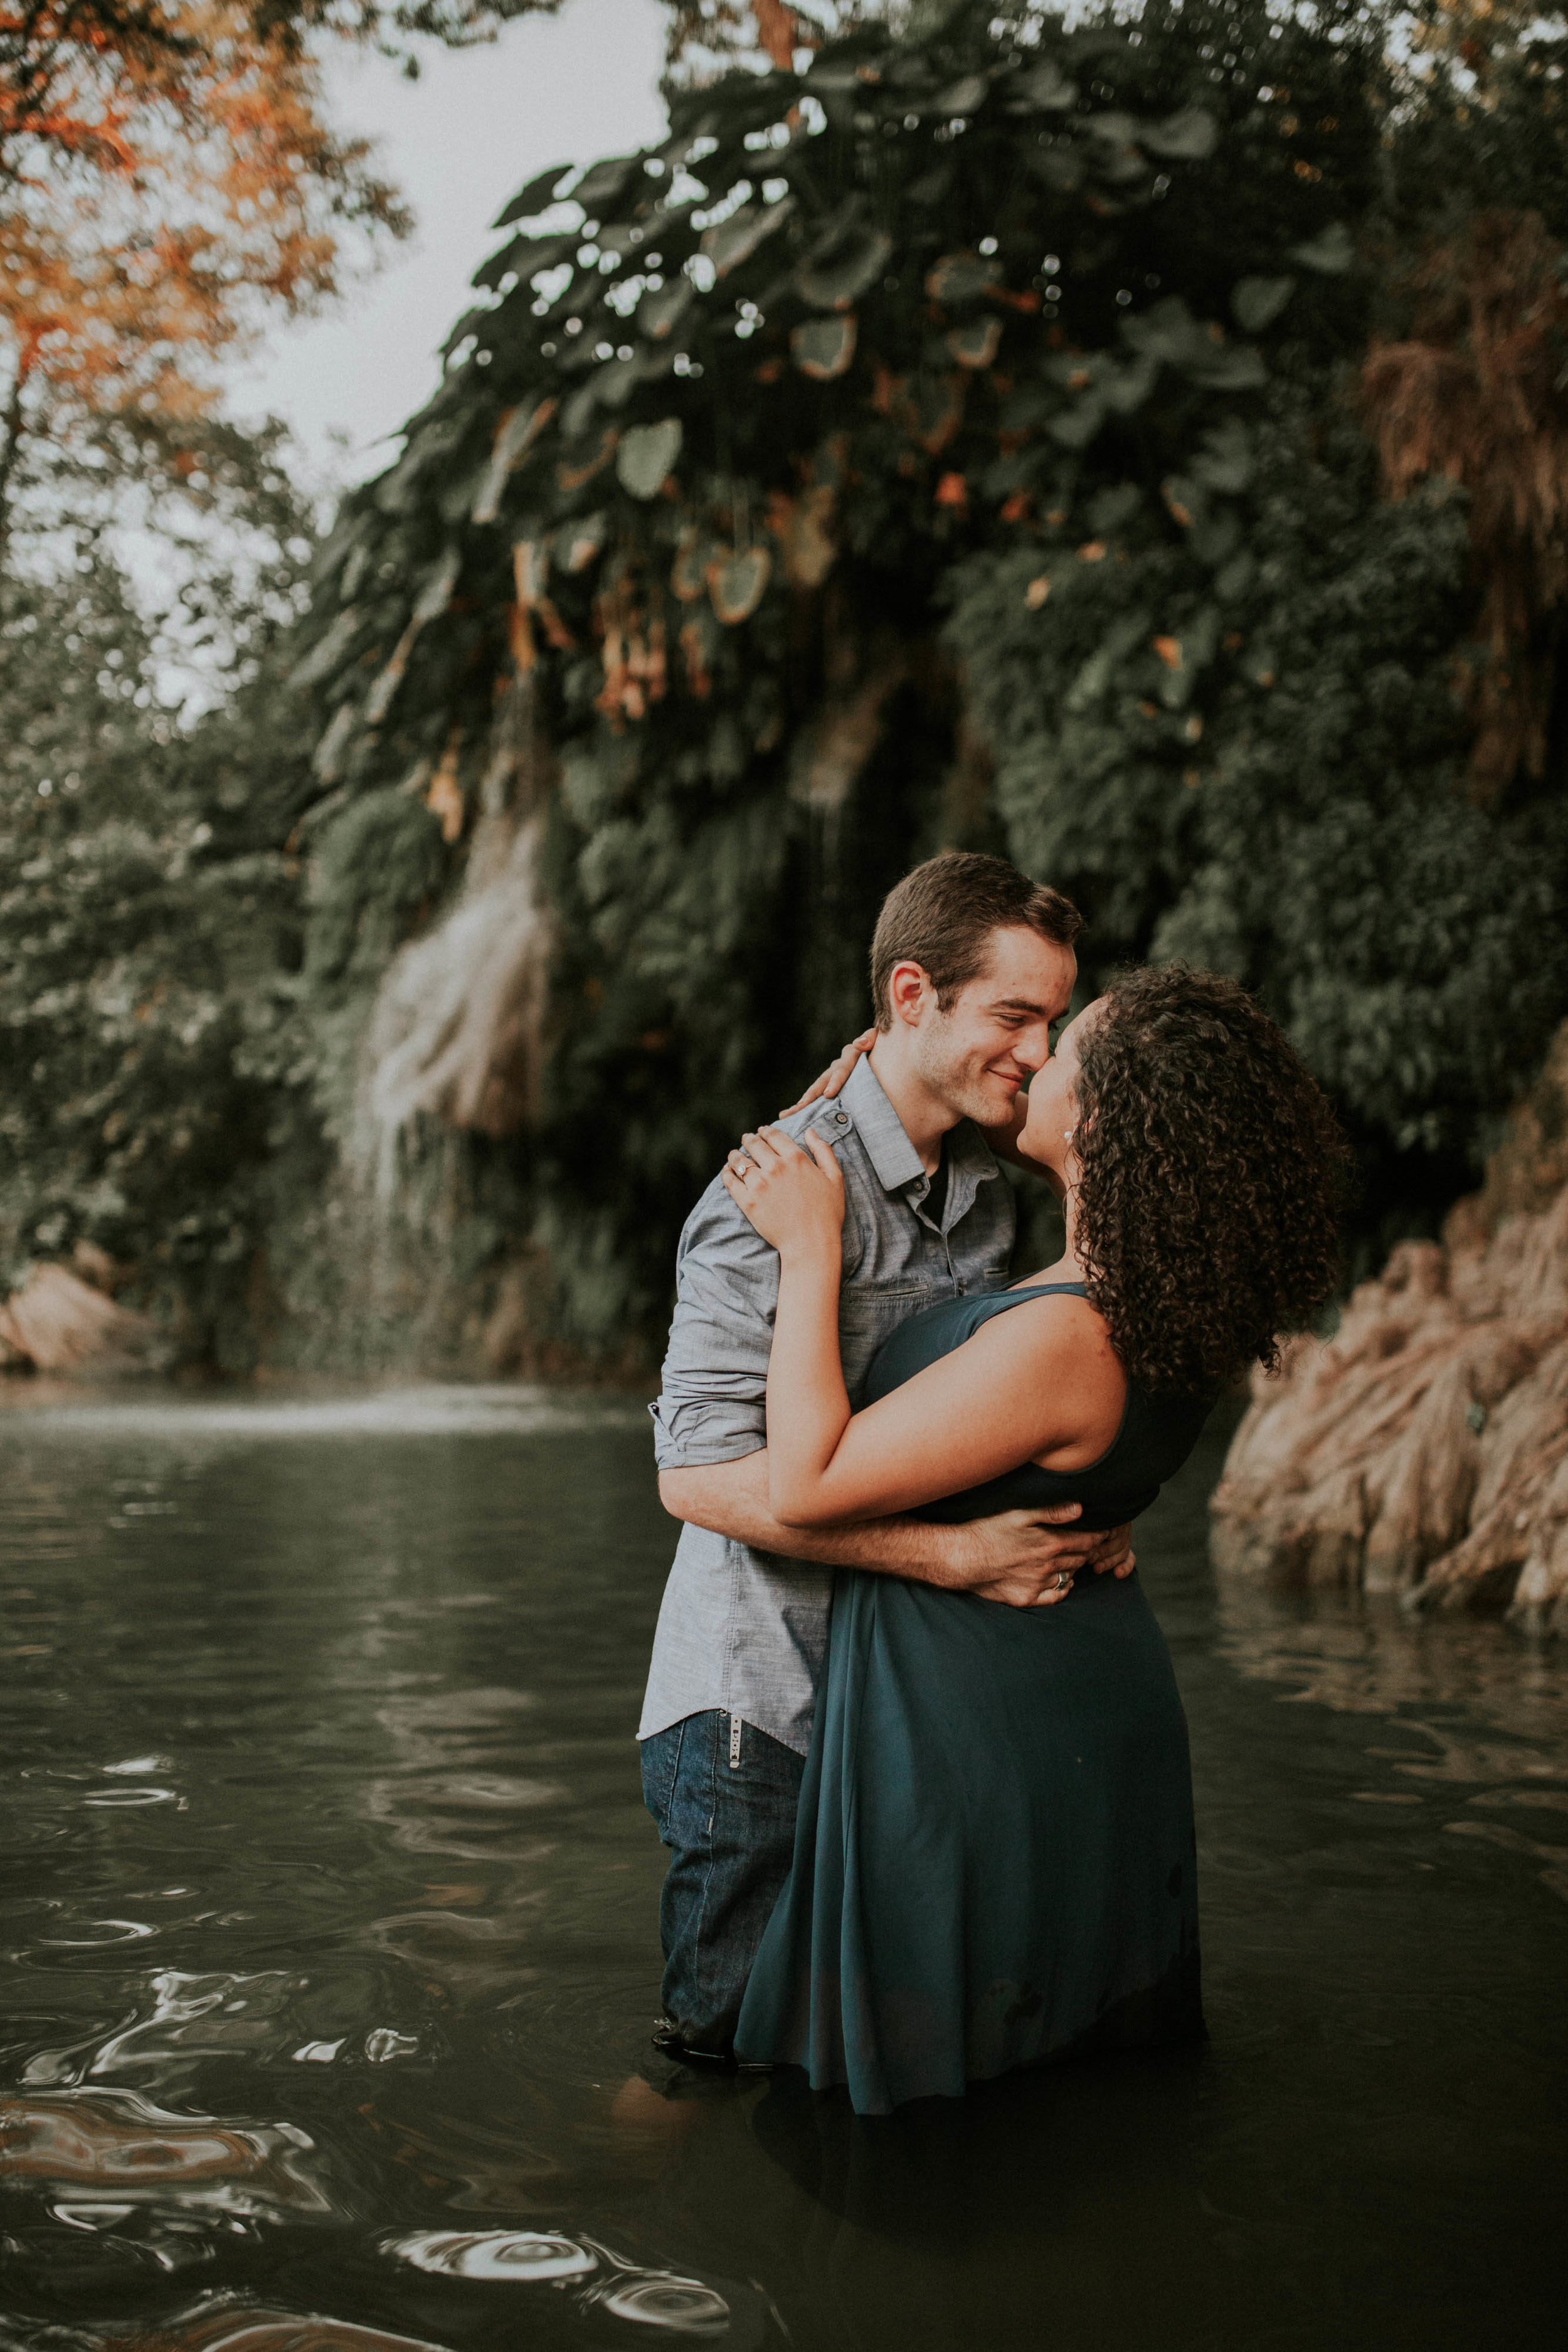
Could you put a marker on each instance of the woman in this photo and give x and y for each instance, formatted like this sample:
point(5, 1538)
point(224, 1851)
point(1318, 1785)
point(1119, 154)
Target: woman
point(994, 1853)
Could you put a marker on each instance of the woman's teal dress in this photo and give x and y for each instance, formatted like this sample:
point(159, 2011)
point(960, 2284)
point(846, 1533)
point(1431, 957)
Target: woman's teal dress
point(993, 1859)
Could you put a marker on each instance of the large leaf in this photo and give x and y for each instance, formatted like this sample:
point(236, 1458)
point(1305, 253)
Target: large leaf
point(603, 183)
point(1113, 128)
point(806, 540)
point(580, 464)
point(1098, 670)
point(531, 198)
point(1060, 167)
point(1187, 136)
point(963, 278)
point(328, 651)
point(576, 544)
point(1185, 499)
point(1228, 367)
point(578, 412)
point(617, 381)
point(931, 186)
point(731, 242)
point(1224, 460)
point(520, 429)
point(620, 238)
point(1075, 428)
point(527, 255)
point(965, 97)
point(1112, 508)
point(736, 582)
point(974, 344)
point(1126, 388)
point(1169, 332)
point(469, 324)
point(836, 282)
point(1331, 254)
point(1185, 654)
point(663, 307)
point(1256, 302)
point(938, 411)
point(688, 573)
point(823, 348)
point(1116, 155)
point(436, 593)
point(645, 455)
point(1044, 88)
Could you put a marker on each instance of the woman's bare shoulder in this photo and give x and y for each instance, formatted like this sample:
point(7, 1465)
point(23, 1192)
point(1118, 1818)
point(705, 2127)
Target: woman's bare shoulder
point(1062, 1342)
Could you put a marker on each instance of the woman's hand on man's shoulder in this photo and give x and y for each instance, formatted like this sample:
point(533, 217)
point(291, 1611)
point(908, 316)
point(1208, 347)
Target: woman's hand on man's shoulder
point(795, 1199)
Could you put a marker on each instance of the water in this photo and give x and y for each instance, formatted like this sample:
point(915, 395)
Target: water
point(328, 1949)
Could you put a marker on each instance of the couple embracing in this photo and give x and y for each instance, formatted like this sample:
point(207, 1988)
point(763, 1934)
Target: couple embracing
point(912, 1732)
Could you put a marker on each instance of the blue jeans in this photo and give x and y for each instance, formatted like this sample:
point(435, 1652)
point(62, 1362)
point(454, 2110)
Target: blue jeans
point(724, 1796)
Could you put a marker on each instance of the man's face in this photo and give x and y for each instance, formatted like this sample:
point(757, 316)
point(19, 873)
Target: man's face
point(975, 1057)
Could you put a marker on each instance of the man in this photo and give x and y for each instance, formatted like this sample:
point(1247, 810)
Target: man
point(971, 965)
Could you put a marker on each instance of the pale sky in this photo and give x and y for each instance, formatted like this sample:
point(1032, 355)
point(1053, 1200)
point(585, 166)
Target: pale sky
point(458, 143)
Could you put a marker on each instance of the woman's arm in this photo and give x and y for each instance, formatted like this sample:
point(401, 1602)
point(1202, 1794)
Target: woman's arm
point(1016, 1556)
point(1041, 1379)
point(798, 1203)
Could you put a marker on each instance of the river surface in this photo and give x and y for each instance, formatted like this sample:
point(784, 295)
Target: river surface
point(328, 1944)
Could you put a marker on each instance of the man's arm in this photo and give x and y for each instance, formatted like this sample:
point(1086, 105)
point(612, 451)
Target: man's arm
point(710, 1427)
point(1012, 1557)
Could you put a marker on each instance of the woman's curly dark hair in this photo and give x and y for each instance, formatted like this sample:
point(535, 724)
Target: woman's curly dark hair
point(1212, 1171)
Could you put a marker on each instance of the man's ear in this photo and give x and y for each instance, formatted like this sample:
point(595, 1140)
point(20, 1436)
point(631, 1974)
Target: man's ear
point(909, 991)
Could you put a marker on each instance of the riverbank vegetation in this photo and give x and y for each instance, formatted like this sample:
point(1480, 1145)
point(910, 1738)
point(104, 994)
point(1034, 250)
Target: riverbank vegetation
point(1136, 446)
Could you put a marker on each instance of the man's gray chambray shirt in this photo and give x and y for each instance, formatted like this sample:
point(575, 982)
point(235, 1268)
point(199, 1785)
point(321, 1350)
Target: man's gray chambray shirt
point(744, 1631)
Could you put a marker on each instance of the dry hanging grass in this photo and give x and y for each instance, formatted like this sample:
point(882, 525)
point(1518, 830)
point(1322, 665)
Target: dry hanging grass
point(1475, 394)
point(1425, 1448)
point(58, 1323)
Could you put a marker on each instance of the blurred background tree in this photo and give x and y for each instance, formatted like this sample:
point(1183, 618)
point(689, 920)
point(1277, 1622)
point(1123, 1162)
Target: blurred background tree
point(167, 185)
point(1133, 445)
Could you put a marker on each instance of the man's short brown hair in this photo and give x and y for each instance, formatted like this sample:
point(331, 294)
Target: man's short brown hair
point(942, 917)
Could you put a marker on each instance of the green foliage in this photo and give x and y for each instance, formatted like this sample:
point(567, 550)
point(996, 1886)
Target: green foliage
point(154, 1067)
point(724, 420)
point(1287, 800)
point(955, 443)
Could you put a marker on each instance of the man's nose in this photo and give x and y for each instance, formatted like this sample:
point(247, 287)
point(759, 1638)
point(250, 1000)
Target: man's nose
point(1033, 1049)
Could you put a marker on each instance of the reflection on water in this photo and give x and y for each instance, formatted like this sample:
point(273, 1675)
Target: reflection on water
point(225, 2323)
point(326, 1944)
point(1482, 1716)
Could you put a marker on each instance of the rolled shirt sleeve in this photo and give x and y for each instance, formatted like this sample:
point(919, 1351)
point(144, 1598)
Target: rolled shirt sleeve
point(712, 1400)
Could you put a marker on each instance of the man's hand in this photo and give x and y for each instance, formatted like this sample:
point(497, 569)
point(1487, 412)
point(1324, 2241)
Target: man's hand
point(1021, 1558)
point(1014, 1557)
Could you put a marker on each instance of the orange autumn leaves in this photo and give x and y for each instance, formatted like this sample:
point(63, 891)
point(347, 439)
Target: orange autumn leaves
point(164, 180)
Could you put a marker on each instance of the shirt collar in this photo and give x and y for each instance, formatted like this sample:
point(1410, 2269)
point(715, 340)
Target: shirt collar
point(879, 1128)
point(888, 1149)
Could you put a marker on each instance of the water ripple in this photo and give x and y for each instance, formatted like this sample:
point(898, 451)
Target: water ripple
point(431, 1411)
point(137, 2153)
point(607, 2282)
